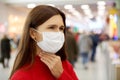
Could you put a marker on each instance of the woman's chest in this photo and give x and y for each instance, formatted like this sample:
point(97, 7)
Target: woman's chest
point(41, 72)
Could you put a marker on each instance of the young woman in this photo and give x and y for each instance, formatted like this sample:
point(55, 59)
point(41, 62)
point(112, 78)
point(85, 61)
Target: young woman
point(41, 53)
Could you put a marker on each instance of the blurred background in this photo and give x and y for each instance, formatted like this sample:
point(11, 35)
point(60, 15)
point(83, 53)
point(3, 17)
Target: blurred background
point(93, 33)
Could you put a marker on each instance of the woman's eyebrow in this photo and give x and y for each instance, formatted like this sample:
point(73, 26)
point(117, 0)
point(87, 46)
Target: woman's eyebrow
point(52, 25)
point(56, 25)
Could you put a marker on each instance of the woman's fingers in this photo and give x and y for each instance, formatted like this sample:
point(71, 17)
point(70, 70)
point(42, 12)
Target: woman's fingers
point(50, 60)
point(47, 62)
point(53, 62)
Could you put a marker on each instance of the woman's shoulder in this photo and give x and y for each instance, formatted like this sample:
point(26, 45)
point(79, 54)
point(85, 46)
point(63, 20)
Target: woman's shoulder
point(20, 75)
point(66, 64)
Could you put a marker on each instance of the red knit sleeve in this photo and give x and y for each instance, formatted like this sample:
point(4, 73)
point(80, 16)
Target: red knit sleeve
point(68, 73)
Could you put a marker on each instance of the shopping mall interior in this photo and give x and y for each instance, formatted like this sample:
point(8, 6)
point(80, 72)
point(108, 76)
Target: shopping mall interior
point(95, 20)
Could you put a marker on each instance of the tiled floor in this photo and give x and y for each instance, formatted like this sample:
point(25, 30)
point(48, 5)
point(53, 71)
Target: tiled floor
point(96, 70)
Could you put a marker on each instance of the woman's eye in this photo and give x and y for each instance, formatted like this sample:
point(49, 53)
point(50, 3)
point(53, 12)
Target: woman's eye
point(51, 27)
point(62, 28)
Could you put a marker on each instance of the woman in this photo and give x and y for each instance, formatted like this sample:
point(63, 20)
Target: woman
point(41, 53)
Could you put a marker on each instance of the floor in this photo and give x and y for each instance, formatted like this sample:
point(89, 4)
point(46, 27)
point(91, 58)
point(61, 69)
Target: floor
point(96, 71)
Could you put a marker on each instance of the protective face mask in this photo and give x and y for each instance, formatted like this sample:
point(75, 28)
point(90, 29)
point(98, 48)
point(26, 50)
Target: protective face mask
point(52, 41)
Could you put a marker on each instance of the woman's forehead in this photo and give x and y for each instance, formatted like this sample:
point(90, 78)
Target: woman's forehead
point(55, 20)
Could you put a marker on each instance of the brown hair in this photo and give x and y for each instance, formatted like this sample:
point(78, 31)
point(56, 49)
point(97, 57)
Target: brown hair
point(27, 47)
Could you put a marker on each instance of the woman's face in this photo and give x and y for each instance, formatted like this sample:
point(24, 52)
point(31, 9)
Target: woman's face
point(54, 24)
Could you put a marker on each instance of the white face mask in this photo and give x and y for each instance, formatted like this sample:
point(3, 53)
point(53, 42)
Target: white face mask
point(52, 41)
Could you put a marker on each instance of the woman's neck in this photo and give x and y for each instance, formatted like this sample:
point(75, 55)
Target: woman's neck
point(38, 51)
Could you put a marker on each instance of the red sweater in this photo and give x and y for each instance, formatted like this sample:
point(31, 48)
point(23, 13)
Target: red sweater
point(39, 71)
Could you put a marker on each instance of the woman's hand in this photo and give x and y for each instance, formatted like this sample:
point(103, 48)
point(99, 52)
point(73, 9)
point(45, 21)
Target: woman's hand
point(53, 62)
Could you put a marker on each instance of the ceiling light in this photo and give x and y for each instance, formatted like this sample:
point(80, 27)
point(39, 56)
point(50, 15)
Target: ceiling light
point(84, 7)
point(68, 6)
point(31, 5)
point(101, 3)
point(51, 5)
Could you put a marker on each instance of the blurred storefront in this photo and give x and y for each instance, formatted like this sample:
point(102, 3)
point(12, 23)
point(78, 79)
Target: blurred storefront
point(118, 22)
point(13, 20)
point(113, 20)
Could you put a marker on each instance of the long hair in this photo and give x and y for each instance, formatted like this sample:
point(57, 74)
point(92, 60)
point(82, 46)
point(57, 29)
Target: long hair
point(27, 47)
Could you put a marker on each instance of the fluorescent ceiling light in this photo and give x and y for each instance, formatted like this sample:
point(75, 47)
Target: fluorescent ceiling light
point(101, 3)
point(51, 5)
point(68, 6)
point(84, 7)
point(31, 5)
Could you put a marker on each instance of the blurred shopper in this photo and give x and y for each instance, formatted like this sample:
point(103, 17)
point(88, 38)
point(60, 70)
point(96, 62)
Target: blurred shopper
point(71, 46)
point(95, 40)
point(85, 45)
point(5, 51)
point(103, 37)
point(41, 55)
point(77, 36)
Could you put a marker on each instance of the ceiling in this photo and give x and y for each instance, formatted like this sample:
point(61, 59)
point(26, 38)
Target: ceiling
point(22, 4)
point(78, 20)
point(56, 2)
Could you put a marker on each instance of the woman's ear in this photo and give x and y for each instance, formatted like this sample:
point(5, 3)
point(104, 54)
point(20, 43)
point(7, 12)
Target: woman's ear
point(32, 34)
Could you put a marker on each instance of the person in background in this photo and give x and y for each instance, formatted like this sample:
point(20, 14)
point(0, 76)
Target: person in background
point(77, 35)
point(71, 46)
point(41, 54)
point(5, 51)
point(85, 46)
point(95, 41)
